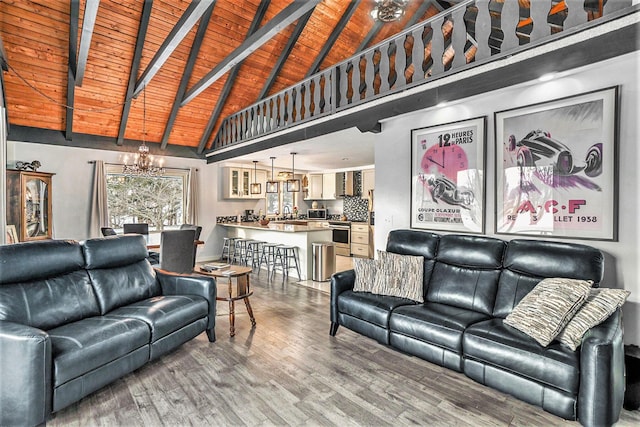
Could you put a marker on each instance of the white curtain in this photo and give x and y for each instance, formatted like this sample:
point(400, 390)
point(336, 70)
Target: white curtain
point(99, 213)
point(192, 198)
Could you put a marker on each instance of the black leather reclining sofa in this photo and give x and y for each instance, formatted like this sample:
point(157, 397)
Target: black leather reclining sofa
point(471, 283)
point(77, 316)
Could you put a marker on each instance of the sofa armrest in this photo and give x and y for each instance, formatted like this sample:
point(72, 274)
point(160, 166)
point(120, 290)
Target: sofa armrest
point(340, 282)
point(602, 373)
point(181, 284)
point(25, 363)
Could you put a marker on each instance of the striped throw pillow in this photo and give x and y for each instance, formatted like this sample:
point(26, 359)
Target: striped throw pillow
point(545, 311)
point(600, 304)
point(399, 276)
point(365, 270)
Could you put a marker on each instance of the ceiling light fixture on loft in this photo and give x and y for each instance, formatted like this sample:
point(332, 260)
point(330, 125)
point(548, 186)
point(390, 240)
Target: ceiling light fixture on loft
point(143, 161)
point(272, 186)
point(389, 10)
point(256, 187)
point(293, 184)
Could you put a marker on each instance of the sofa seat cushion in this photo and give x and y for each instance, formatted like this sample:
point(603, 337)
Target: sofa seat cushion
point(165, 314)
point(370, 307)
point(85, 345)
point(439, 324)
point(494, 343)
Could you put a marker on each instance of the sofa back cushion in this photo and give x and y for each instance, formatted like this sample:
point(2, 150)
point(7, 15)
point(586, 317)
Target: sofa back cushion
point(119, 271)
point(466, 272)
point(527, 262)
point(417, 243)
point(43, 284)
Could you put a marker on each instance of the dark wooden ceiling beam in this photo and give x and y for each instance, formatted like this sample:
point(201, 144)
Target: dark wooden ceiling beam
point(231, 79)
point(344, 19)
point(135, 65)
point(288, 15)
point(186, 75)
point(275, 71)
point(419, 13)
point(189, 18)
point(88, 22)
point(373, 32)
point(96, 142)
point(74, 18)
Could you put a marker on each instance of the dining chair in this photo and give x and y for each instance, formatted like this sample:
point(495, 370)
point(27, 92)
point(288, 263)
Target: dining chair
point(107, 231)
point(198, 230)
point(192, 227)
point(177, 252)
point(137, 228)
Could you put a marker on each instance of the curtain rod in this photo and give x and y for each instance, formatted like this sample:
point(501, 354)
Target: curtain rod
point(120, 164)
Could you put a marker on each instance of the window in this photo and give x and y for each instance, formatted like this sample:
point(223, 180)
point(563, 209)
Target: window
point(283, 201)
point(159, 201)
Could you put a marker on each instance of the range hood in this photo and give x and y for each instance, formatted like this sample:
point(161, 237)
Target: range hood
point(351, 183)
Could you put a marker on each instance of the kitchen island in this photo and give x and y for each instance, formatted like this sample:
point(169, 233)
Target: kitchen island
point(295, 233)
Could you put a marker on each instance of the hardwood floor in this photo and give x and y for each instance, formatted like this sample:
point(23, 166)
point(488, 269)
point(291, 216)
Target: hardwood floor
point(289, 371)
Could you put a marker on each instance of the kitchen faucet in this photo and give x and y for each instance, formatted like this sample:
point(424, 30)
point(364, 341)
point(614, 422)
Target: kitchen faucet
point(285, 210)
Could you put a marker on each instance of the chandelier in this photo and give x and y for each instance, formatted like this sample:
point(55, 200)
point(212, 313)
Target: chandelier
point(388, 10)
point(143, 161)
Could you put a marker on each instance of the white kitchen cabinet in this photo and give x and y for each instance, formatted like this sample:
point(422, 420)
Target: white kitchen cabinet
point(315, 187)
point(329, 186)
point(237, 181)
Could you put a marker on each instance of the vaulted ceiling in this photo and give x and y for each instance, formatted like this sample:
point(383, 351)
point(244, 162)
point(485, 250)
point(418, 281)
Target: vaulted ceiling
point(85, 71)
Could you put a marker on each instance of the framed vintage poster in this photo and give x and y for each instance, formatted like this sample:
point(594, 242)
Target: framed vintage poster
point(447, 176)
point(556, 171)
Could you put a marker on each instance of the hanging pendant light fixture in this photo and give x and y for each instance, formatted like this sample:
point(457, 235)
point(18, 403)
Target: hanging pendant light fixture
point(256, 187)
point(143, 162)
point(293, 184)
point(388, 10)
point(272, 186)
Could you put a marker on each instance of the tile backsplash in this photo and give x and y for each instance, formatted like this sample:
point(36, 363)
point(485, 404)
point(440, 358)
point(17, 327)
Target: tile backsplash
point(356, 208)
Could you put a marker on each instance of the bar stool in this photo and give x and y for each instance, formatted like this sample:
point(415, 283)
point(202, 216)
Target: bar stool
point(240, 251)
point(253, 252)
point(268, 256)
point(228, 246)
point(284, 255)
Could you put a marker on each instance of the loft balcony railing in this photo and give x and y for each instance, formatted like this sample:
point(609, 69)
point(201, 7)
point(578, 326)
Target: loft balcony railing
point(469, 34)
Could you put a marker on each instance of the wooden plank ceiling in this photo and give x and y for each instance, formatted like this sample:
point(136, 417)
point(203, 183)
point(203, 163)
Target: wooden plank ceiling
point(37, 45)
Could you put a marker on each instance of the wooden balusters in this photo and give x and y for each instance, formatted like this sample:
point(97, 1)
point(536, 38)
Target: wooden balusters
point(538, 11)
point(459, 38)
point(437, 47)
point(509, 19)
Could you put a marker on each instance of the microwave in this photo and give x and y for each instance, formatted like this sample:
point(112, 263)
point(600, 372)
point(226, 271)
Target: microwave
point(316, 214)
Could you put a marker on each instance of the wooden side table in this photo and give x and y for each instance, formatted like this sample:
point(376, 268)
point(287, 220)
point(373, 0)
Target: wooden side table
point(242, 290)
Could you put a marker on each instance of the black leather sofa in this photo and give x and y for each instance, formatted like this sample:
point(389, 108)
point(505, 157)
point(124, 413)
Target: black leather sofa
point(471, 283)
point(77, 316)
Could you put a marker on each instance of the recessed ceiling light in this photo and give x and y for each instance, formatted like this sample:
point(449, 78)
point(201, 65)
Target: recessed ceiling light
point(547, 77)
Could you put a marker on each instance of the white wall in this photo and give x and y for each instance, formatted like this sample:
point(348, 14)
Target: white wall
point(393, 168)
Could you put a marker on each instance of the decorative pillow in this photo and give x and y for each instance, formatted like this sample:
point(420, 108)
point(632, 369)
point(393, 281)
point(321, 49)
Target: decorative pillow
point(546, 310)
point(600, 304)
point(365, 270)
point(399, 276)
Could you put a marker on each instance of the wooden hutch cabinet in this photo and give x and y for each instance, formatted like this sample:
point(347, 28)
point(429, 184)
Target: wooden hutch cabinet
point(29, 204)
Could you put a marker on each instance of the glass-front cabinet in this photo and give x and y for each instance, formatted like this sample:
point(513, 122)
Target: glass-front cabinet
point(237, 182)
point(29, 204)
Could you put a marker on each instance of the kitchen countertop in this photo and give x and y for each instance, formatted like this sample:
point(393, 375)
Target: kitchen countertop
point(281, 226)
